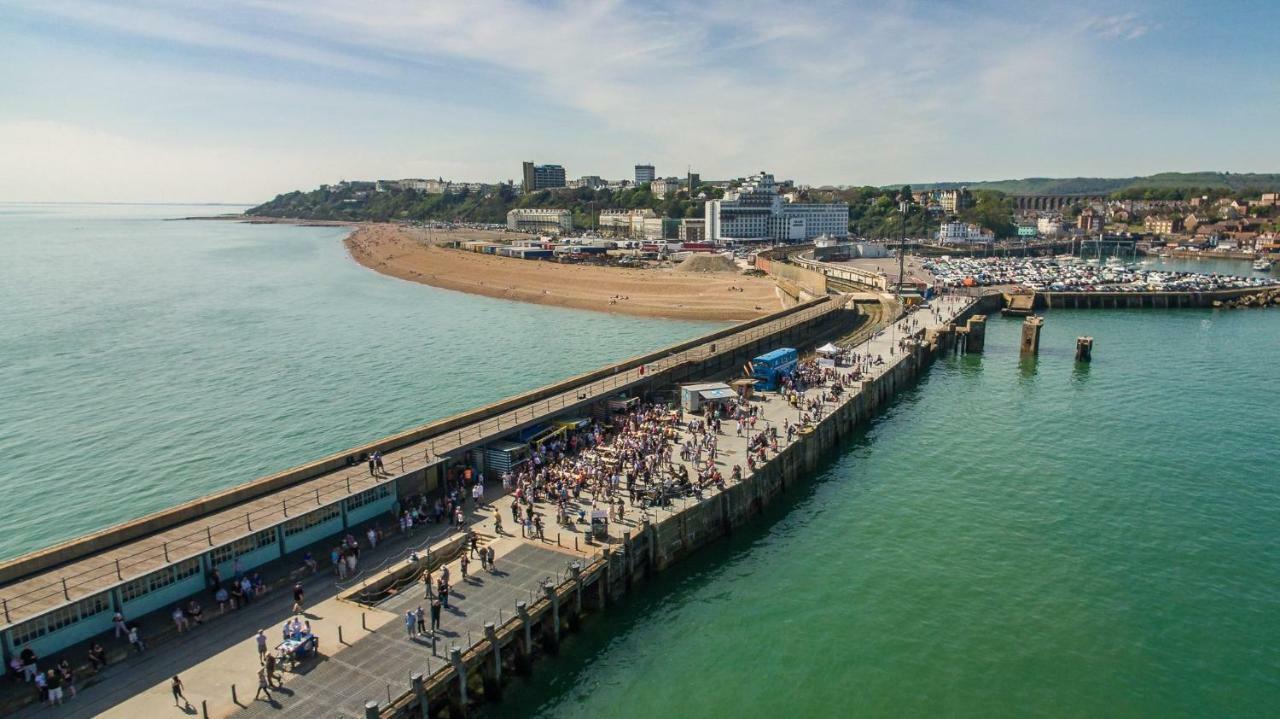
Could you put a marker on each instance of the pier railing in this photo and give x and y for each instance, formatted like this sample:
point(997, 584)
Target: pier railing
point(232, 525)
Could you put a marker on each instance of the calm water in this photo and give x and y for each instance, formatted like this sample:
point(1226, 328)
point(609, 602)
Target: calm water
point(145, 362)
point(1012, 538)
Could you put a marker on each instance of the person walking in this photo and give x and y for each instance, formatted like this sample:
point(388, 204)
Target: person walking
point(261, 638)
point(270, 665)
point(135, 639)
point(263, 685)
point(444, 593)
point(121, 628)
point(463, 563)
point(176, 687)
point(297, 597)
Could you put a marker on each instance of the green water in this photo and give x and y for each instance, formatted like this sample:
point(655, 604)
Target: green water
point(1011, 538)
point(145, 362)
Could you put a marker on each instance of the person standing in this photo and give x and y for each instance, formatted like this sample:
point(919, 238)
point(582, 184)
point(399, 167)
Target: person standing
point(421, 618)
point(410, 623)
point(297, 597)
point(53, 685)
point(118, 621)
point(444, 593)
point(176, 687)
point(262, 645)
point(435, 614)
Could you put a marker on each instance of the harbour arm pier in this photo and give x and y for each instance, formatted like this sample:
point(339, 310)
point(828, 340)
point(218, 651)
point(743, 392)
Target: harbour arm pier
point(60, 598)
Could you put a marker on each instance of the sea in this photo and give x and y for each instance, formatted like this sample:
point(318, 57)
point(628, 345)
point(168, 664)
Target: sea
point(147, 360)
point(1012, 536)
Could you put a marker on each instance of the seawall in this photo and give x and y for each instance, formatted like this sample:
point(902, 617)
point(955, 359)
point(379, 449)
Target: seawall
point(477, 673)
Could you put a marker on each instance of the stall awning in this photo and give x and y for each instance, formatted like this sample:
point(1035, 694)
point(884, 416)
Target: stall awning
point(714, 394)
point(828, 349)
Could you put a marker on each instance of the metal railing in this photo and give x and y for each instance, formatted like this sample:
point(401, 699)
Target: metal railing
point(351, 481)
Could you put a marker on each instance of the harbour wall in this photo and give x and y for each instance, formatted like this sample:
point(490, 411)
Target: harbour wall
point(477, 673)
point(1136, 300)
point(112, 536)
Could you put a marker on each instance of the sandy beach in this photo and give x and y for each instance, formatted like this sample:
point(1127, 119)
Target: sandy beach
point(412, 254)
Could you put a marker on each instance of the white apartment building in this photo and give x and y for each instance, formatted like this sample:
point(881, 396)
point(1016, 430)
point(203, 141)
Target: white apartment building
point(626, 223)
point(961, 233)
point(539, 219)
point(757, 212)
point(1049, 226)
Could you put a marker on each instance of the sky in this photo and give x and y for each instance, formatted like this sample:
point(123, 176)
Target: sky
point(239, 100)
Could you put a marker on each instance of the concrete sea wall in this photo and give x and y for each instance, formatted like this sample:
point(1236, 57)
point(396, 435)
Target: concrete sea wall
point(477, 673)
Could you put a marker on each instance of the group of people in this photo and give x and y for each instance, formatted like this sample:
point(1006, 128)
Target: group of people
point(52, 685)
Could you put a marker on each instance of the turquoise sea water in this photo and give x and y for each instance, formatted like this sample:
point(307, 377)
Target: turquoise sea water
point(1011, 538)
point(146, 362)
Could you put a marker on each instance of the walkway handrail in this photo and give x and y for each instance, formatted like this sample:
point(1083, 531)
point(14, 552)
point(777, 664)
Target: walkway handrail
point(304, 500)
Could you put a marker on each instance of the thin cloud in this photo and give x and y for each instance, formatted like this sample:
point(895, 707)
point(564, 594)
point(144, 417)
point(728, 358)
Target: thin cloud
point(1126, 26)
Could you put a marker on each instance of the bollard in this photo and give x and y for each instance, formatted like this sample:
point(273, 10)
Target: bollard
point(340, 641)
point(491, 633)
point(554, 598)
point(415, 681)
point(362, 624)
point(455, 656)
point(204, 709)
point(576, 570)
point(234, 699)
point(371, 709)
point(522, 609)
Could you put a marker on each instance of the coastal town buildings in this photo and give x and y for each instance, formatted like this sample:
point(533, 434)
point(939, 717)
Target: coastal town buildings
point(1091, 220)
point(626, 223)
point(645, 173)
point(542, 177)
point(692, 230)
point(953, 201)
point(963, 233)
point(1049, 226)
point(664, 186)
point(540, 219)
point(1162, 225)
point(756, 212)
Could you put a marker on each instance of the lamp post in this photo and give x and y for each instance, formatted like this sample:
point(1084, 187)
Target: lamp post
point(904, 205)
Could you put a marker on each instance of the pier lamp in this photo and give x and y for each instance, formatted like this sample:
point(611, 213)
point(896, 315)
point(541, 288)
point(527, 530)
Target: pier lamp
point(904, 205)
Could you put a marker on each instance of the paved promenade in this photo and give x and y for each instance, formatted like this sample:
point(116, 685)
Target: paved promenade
point(101, 570)
point(371, 662)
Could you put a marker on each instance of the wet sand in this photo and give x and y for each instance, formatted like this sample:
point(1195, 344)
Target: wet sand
point(413, 254)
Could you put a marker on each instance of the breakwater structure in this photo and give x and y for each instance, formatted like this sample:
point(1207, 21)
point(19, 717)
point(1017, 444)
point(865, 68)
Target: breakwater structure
point(54, 601)
point(57, 599)
point(451, 681)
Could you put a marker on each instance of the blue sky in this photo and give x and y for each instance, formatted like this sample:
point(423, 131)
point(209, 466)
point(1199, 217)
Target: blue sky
point(242, 99)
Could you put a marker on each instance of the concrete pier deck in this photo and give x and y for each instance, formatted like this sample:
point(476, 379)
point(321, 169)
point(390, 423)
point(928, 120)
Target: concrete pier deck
point(375, 664)
point(45, 580)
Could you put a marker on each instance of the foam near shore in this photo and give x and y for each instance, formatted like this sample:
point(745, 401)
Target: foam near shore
point(414, 254)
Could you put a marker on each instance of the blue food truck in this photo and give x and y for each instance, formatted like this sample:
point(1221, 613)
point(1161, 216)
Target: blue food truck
point(769, 368)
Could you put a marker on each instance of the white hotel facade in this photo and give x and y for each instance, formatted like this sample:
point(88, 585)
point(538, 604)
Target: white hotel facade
point(756, 212)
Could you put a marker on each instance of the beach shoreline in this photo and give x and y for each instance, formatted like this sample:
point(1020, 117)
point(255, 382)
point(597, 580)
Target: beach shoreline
point(415, 255)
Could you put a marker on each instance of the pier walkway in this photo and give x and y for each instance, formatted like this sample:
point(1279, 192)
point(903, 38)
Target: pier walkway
point(43, 581)
point(376, 663)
